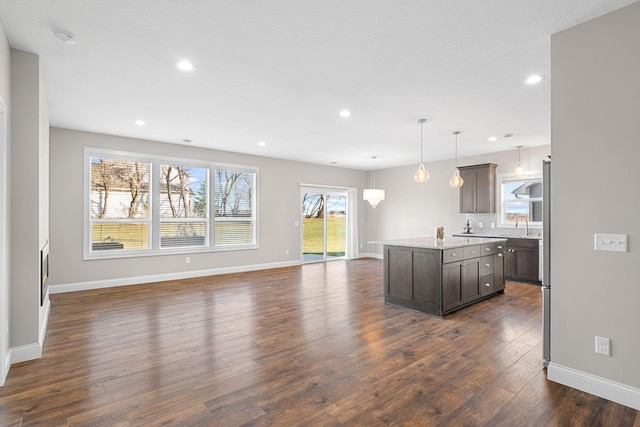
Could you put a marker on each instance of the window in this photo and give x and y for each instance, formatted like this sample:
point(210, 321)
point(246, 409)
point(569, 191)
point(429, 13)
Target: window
point(234, 210)
point(183, 206)
point(119, 204)
point(520, 197)
point(147, 205)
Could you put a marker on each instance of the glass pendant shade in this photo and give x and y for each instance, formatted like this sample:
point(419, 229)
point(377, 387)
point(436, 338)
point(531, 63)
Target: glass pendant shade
point(373, 196)
point(519, 170)
point(421, 174)
point(456, 180)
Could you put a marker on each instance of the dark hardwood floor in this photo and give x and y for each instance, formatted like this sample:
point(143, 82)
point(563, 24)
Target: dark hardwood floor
point(312, 345)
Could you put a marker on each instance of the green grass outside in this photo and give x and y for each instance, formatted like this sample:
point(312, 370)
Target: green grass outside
point(314, 233)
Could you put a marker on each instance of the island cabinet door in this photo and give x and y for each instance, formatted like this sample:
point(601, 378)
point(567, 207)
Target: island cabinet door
point(498, 271)
point(470, 280)
point(451, 286)
point(412, 278)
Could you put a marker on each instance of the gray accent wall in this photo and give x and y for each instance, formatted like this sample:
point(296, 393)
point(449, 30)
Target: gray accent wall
point(29, 197)
point(595, 107)
point(278, 209)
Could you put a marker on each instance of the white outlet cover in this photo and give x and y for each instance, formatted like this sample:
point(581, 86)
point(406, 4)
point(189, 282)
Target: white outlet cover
point(610, 242)
point(603, 346)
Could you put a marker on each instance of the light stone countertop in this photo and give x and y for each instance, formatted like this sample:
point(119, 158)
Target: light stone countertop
point(447, 243)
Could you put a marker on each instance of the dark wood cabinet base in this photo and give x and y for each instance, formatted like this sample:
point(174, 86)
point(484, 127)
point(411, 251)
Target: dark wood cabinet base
point(439, 282)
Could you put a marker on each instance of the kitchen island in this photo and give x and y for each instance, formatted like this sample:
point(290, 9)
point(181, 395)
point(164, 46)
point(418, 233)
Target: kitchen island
point(440, 276)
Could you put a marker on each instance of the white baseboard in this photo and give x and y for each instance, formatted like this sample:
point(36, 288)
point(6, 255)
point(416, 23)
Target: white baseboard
point(125, 281)
point(592, 384)
point(25, 352)
point(30, 351)
point(371, 255)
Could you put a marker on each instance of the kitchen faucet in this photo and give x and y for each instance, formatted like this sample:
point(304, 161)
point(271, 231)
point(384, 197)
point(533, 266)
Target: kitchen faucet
point(526, 224)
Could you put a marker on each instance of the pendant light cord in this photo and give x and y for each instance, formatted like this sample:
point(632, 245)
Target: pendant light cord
point(456, 133)
point(421, 143)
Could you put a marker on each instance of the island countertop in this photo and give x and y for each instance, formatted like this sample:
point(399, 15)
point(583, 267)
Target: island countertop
point(448, 242)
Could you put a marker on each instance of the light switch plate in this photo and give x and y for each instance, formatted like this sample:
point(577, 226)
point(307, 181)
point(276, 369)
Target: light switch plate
point(610, 242)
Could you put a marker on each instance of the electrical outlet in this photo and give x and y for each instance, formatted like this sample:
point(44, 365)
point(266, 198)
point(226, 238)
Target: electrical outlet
point(361, 245)
point(481, 224)
point(6, 326)
point(188, 260)
point(603, 346)
point(286, 251)
point(493, 225)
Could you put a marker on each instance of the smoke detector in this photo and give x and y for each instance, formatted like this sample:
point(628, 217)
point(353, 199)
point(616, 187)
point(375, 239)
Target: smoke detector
point(65, 36)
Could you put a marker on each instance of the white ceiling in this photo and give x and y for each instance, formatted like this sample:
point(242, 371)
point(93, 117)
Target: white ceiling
point(280, 71)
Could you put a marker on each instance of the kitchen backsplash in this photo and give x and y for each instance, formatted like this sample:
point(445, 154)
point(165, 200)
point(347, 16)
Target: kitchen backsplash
point(476, 220)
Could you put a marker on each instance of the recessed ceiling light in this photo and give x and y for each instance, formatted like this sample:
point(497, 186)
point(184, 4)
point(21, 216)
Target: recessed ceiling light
point(184, 65)
point(345, 113)
point(334, 163)
point(186, 140)
point(65, 36)
point(493, 138)
point(507, 135)
point(533, 79)
point(140, 122)
point(262, 143)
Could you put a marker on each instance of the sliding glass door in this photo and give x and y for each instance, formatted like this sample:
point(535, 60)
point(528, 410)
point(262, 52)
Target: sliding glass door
point(324, 224)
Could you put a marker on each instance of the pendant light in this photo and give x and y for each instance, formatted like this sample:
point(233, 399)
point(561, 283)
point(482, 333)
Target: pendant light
point(456, 180)
point(373, 195)
point(421, 175)
point(519, 170)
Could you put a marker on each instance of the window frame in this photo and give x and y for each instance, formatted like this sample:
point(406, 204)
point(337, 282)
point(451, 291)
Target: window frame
point(511, 177)
point(154, 220)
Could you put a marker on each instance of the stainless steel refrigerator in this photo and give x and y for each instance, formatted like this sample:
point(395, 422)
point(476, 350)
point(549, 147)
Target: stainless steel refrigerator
point(546, 256)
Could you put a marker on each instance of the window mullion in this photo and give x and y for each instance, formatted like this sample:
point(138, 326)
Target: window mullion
point(154, 210)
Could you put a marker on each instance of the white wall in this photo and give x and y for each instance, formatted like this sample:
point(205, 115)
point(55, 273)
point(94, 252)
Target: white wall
point(5, 218)
point(413, 210)
point(595, 176)
point(29, 190)
point(278, 207)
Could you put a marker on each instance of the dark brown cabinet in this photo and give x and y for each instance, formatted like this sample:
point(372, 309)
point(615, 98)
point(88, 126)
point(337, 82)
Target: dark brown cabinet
point(412, 278)
point(478, 193)
point(460, 283)
point(522, 259)
point(440, 281)
point(451, 286)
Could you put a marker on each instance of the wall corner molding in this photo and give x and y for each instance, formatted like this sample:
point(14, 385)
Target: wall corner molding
point(33, 351)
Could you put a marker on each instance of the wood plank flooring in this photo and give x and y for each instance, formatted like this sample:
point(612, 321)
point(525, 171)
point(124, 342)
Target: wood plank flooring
point(312, 345)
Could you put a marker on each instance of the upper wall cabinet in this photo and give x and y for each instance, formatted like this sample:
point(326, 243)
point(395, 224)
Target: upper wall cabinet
point(478, 193)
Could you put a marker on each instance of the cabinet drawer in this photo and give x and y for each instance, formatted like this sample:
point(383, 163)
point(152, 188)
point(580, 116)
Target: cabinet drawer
point(487, 249)
point(486, 285)
point(523, 243)
point(471, 252)
point(452, 255)
point(486, 265)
